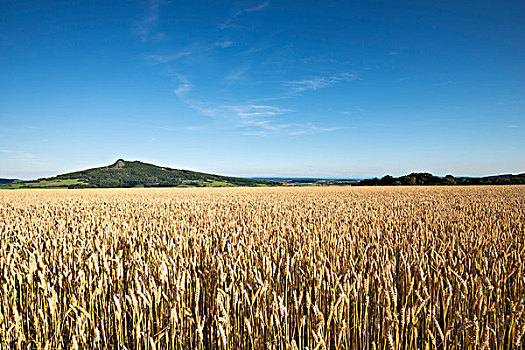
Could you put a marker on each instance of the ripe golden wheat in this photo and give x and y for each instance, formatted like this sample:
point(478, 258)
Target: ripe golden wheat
point(268, 268)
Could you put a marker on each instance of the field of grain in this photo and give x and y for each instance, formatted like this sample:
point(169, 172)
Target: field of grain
point(267, 268)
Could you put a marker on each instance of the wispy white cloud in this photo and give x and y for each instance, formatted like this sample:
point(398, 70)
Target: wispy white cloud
point(160, 59)
point(257, 8)
point(319, 59)
point(357, 111)
point(242, 115)
point(255, 110)
point(194, 49)
point(509, 102)
point(183, 87)
point(21, 129)
point(255, 119)
point(446, 83)
point(172, 128)
point(181, 91)
point(229, 22)
point(316, 83)
point(256, 49)
point(239, 73)
point(223, 43)
point(18, 153)
point(266, 120)
point(512, 126)
point(188, 51)
point(146, 28)
point(296, 87)
point(259, 120)
point(13, 161)
point(291, 129)
point(308, 128)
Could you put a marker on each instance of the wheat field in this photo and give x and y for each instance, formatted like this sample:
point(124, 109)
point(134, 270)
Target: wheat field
point(265, 268)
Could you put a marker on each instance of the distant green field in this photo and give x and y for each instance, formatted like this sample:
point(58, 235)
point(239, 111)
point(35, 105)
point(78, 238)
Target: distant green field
point(58, 183)
point(66, 183)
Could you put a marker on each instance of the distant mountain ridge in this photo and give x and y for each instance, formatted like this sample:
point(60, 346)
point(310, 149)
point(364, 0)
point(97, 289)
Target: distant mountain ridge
point(127, 174)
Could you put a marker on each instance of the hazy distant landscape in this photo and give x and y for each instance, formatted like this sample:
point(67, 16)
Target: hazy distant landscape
point(127, 174)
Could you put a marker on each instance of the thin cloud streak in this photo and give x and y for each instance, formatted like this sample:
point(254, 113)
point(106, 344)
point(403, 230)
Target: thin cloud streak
point(256, 119)
point(313, 84)
point(239, 74)
point(223, 43)
point(294, 88)
point(228, 23)
point(146, 29)
point(509, 102)
point(18, 152)
point(357, 111)
point(196, 48)
point(184, 87)
point(23, 157)
point(257, 8)
point(293, 129)
point(250, 111)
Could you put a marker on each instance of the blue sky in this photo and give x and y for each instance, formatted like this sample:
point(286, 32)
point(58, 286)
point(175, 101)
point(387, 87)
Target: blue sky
point(263, 88)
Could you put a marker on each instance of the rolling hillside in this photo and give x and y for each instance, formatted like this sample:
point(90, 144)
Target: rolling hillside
point(136, 174)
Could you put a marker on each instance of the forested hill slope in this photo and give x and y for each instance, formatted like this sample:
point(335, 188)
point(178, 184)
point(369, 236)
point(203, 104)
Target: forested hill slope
point(124, 173)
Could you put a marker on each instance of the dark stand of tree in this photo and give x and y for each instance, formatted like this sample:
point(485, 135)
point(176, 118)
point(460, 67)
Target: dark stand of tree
point(7, 181)
point(426, 179)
